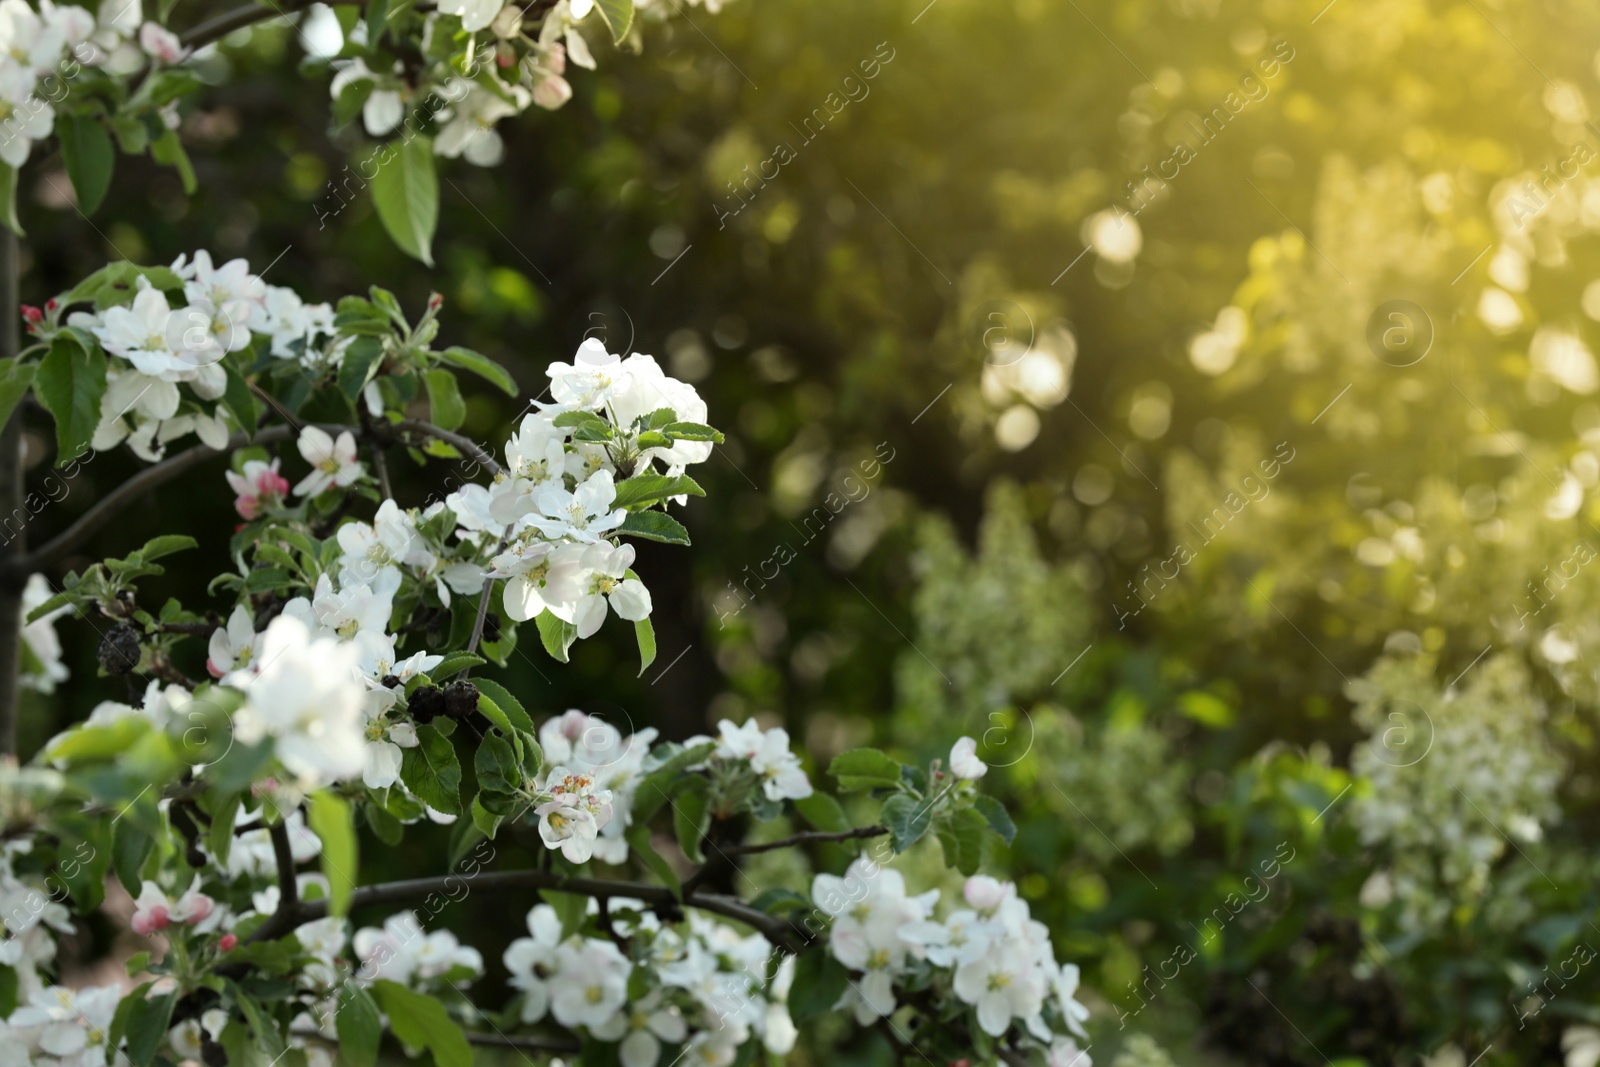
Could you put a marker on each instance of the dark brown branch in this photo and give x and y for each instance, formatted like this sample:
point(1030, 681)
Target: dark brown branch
point(777, 930)
point(461, 444)
point(135, 488)
point(805, 838)
point(291, 913)
point(217, 28)
point(525, 1042)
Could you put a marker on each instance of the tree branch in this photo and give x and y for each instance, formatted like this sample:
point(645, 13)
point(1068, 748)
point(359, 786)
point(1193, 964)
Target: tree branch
point(290, 913)
point(135, 488)
point(462, 444)
point(527, 1043)
point(777, 930)
point(217, 28)
point(12, 490)
point(805, 838)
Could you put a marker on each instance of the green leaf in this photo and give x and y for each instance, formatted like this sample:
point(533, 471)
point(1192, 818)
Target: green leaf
point(961, 836)
point(70, 382)
point(60, 600)
point(146, 1026)
point(648, 488)
point(618, 15)
point(130, 847)
point(691, 818)
point(907, 818)
point(168, 149)
point(455, 663)
point(864, 768)
point(654, 526)
point(240, 401)
point(645, 634)
point(508, 705)
point(406, 193)
point(166, 545)
point(334, 821)
point(995, 814)
point(430, 770)
point(359, 1025)
point(360, 362)
point(692, 431)
point(486, 821)
point(819, 982)
point(1207, 709)
point(8, 199)
point(422, 1022)
point(556, 635)
point(15, 380)
point(482, 366)
point(445, 405)
point(573, 909)
point(639, 839)
point(89, 155)
point(823, 812)
point(353, 97)
point(497, 765)
point(219, 838)
point(657, 786)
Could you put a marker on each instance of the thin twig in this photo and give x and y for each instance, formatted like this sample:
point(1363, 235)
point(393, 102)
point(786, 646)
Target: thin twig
point(237, 19)
point(805, 838)
point(525, 1042)
point(290, 913)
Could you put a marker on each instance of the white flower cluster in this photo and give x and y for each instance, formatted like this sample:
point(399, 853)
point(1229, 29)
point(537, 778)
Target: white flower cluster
point(592, 773)
point(586, 745)
point(553, 507)
point(992, 955)
point(55, 43)
point(708, 988)
point(469, 109)
point(767, 751)
point(1448, 772)
point(403, 952)
point(158, 347)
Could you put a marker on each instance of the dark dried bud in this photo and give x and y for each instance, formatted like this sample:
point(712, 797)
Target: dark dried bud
point(427, 704)
point(461, 699)
point(390, 681)
point(212, 1052)
point(491, 627)
point(119, 649)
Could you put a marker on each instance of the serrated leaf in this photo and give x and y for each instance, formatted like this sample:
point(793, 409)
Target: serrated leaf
point(691, 818)
point(359, 364)
point(556, 635)
point(819, 982)
point(510, 706)
point(864, 768)
point(618, 15)
point(89, 155)
point(996, 815)
point(422, 1022)
point(638, 837)
point(359, 1025)
point(961, 836)
point(644, 634)
point(654, 526)
point(823, 812)
point(907, 818)
point(405, 191)
point(482, 366)
point(445, 405)
point(15, 381)
point(333, 820)
point(70, 382)
point(430, 770)
point(166, 545)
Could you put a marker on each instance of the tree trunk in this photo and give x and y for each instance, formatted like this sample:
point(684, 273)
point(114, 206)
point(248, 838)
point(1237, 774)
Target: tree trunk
point(11, 494)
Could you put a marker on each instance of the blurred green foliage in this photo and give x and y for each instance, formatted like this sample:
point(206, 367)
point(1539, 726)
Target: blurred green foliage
point(913, 292)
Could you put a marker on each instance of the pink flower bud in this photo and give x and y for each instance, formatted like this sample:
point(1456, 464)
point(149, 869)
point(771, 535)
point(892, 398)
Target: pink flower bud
point(32, 315)
point(552, 92)
point(228, 942)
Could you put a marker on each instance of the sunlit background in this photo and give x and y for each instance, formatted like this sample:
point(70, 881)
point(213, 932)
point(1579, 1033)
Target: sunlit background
point(1194, 400)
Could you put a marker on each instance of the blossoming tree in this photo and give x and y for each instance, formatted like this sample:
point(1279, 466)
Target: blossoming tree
point(339, 704)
